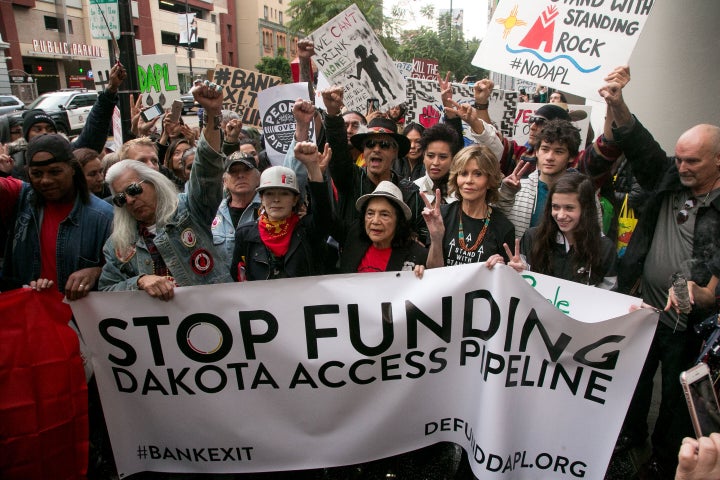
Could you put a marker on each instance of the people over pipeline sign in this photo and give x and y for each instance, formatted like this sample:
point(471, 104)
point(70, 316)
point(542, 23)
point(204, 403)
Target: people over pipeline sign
point(278, 122)
point(336, 370)
point(240, 90)
point(567, 45)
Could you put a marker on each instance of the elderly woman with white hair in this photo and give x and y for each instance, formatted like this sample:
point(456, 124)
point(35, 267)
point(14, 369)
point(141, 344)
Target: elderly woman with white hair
point(162, 239)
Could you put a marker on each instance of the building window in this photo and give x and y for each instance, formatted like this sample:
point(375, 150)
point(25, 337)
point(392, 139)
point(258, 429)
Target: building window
point(51, 23)
point(229, 32)
point(265, 11)
point(280, 19)
point(213, 18)
point(70, 28)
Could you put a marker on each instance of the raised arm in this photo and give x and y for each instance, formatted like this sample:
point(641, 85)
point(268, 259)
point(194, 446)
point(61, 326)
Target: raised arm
point(94, 133)
point(341, 163)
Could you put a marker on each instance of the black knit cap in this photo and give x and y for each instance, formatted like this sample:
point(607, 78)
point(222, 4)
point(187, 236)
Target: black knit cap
point(52, 143)
point(32, 117)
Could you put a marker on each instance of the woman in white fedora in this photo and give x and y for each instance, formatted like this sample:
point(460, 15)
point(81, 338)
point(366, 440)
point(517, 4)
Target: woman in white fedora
point(382, 241)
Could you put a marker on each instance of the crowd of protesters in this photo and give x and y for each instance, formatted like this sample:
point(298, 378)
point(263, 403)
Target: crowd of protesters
point(370, 193)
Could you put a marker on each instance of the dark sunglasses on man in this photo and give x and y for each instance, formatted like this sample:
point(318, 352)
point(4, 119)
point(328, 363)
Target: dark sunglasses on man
point(134, 189)
point(384, 144)
point(537, 120)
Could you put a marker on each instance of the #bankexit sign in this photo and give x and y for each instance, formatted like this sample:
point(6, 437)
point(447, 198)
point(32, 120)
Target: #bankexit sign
point(336, 370)
point(570, 46)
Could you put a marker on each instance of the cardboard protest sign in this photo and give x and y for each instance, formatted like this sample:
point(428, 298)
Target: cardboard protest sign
point(349, 53)
point(352, 368)
point(580, 115)
point(278, 122)
point(425, 68)
point(240, 89)
point(560, 45)
point(157, 78)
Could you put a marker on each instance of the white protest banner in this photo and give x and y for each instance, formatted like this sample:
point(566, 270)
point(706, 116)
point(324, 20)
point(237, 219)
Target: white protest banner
point(579, 114)
point(502, 110)
point(278, 122)
point(349, 53)
point(240, 91)
point(157, 78)
point(425, 105)
point(98, 26)
point(560, 44)
point(336, 370)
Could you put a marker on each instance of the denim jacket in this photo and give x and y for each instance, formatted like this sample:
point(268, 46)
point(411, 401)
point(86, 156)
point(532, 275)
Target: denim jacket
point(80, 239)
point(223, 230)
point(186, 242)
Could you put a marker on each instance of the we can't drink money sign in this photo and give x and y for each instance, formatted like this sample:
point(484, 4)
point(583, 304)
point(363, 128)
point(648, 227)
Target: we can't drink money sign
point(568, 45)
point(337, 370)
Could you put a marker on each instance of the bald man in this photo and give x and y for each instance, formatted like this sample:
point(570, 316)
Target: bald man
point(679, 232)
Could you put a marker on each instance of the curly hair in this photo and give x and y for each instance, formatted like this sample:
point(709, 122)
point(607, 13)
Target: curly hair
point(562, 132)
point(441, 132)
point(587, 234)
point(487, 163)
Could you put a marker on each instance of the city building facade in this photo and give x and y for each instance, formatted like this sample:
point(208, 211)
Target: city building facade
point(48, 43)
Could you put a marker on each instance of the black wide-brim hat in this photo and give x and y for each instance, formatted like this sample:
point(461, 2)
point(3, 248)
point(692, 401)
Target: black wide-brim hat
point(381, 125)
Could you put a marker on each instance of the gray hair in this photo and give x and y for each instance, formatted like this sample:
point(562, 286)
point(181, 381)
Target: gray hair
point(228, 115)
point(124, 224)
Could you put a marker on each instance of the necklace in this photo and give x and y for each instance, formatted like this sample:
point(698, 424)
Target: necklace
point(481, 235)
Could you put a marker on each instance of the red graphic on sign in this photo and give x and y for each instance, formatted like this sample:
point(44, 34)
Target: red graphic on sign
point(542, 31)
point(429, 116)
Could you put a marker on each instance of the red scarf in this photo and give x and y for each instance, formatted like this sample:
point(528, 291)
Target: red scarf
point(276, 235)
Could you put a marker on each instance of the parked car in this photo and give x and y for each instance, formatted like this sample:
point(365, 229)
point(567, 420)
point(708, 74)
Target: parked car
point(68, 108)
point(188, 103)
point(10, 103)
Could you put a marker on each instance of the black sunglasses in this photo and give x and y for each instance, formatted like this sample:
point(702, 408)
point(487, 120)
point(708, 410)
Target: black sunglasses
point(134, 189)
point(384, 144)
point(684, 214)
point(537, 120)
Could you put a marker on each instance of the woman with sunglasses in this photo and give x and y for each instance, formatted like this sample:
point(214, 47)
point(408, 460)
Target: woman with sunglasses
point(161, 238)
point(469, 230)
point(568, 243)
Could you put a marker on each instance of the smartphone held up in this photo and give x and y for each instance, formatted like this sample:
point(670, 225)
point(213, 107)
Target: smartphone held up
point(152, 112)
point(701, 400)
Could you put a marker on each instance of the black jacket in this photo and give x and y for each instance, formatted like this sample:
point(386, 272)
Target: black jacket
point(658, 175)
point(305, 254)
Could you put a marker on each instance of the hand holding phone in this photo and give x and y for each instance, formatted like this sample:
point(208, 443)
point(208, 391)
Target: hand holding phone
point(701, 399)
point(150, 113)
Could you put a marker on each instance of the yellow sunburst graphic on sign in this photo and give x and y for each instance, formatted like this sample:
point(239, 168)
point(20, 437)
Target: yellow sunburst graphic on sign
point(510, 22)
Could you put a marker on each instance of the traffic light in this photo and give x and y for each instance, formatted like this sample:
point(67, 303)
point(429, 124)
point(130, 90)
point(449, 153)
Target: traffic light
point(39, 68)
point(81, 70)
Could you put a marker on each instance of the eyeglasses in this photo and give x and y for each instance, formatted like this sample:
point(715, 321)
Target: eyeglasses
point(384, 144)
point(684, 213)
point(537, 120)
point(134, 189)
